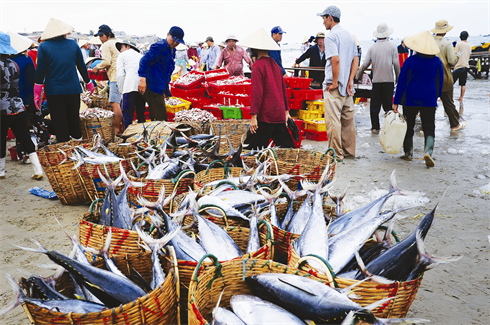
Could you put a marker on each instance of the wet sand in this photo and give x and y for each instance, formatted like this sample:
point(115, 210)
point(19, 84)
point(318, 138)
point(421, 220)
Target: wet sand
point(455, 293)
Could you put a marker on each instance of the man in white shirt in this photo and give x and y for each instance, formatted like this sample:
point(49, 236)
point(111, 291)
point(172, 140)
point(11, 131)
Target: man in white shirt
point(463, 52)
point(128, 63)
point(213, 53)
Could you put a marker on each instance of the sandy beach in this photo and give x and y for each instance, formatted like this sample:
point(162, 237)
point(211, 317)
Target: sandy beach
point(455, 293)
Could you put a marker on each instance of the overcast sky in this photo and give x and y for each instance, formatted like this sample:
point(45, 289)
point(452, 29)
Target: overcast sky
point(220, 18)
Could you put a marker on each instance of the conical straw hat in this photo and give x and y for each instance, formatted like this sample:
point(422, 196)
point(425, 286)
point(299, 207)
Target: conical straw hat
point(181, 47)
point(82, 42)
point(95, 40)
point(422, 43)
point(261, 40)
point(56, 28)
point(19, 43)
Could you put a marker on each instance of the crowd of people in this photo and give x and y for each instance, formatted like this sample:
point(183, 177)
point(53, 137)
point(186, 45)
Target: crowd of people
point(56, 69)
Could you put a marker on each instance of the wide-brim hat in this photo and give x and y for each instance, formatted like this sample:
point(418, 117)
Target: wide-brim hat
point(95, 40)
point(261, 40)
point(382, 31)
point(181, 47)
point(442, 27)
point(176, 69)
point(193, 44)
point(91, 59)
point(82, 42)
point(231, 37)
point(127, 41)
point(319, 35)
point(306, 39)
point(222, 44)
point(5, 46)
point(19, 43)
point(56, 28)
point(422, 43)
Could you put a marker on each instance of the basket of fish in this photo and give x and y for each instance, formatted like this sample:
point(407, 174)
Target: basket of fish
point(127, 289)
point(97, 121)
point(69, 185)
point(255, 291)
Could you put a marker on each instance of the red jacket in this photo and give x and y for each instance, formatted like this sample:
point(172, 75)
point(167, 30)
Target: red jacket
point(268, 96)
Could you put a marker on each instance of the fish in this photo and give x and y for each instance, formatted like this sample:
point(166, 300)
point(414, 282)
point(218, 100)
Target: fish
point(123, 220)
point(63, 306)
point(223, 316)
point(215, 201)
point(111, 266)
point(165, 170)
point(110, 288)
point(41, 290)
point(272, 201)
point(300, 218)
point(253, 237)
point(238, 198)
point(313, 300)
point(254, 310)
point(110, 209)
point(370, 210)
point(293, 195)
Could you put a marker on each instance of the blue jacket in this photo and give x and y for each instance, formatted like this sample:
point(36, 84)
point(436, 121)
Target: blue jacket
point(276, 55)
point(57, 62)
point(26, 78)
point(316, 60)
point(157, 66)
point(420, 81)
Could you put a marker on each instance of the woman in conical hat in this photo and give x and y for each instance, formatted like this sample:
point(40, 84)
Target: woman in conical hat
point(57, 63)
point(269, 103)
point(419, 85)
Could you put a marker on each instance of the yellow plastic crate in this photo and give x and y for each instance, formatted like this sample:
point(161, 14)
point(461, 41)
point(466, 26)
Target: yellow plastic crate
point(180, 107)
point(317, 125)
point(315, 105)
point(310, 115)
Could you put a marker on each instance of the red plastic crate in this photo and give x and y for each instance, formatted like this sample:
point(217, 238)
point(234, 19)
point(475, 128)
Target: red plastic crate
point(227, 99)
point(289, 92)
point(200, 102)
point(316, 136)
point(295, 103)
point(308, 94)
point(101, 75)
point(215, 111)
point(170, 117)
point(298, 82)
point(193, 85)
point(246, 113)
point(243, 88)
point(186, 94)
point(224, 75)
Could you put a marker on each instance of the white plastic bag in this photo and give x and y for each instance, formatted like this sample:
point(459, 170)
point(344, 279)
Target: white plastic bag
point(393, 132)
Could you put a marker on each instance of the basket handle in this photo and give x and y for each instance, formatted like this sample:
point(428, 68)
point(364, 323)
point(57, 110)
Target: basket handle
point(330, 273)
point(91, 208)
point(181, 175)
point(213, 162)
point(270, 233)
point(205, 207)
point(333, 151)
point(217, 272)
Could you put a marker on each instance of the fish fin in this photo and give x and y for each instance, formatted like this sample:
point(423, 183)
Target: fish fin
point(349, 318)
point(394, 186)
point(217, 305)
point(297, 286)
point(48, 266)
point(126, 178)
point(378, 303)
point(40, 248)
point(107, 244)
point(18, 292)
point(348, 290)
point(137, 278)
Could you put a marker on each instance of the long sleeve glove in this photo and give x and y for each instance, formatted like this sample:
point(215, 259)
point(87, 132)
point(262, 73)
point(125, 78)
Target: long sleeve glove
point(38, 89)
point(90, 86)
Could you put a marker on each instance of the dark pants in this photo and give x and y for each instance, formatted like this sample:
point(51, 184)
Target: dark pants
point(460, 74)
point(19, 125)
point(133, 101)
point(278, 132)
point(450, 108)
point(427, 116)
point(65, 115)
point(382, 94)
point(156, 105)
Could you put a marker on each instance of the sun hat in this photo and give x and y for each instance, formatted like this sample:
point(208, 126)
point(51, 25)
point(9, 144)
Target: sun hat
point(422, 43)
point(127, 41)
point(177, 34)
point(441, 27)
point(222, 44)
point(331, 11)
point(82, 42)
point(260, 40)
point(176, 69)
point(56, 28)
point(91, 59)
point(319, 35)
point(103, 29)
point(193, 44)
point(210, 39)
point(306, 39)
point(95, 40)
point(231, 37)
point(382, 31)
point(277, 30)
point(181, 47)
point(5, 47)
point(19, 43)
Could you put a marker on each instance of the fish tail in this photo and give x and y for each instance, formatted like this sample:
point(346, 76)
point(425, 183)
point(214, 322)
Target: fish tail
point(107, 244)
point(20, 295)
point(40, 248)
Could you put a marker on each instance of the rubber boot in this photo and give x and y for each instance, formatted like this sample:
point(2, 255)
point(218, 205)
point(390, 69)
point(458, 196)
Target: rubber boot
point(2, 168)
point(36, 165)
point(408, 149)
point(428, 149)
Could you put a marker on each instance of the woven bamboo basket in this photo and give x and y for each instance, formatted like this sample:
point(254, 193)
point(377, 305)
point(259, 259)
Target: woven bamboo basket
point(96, 188)
point(152, 188)
point(213, 174)
point(206, 285)
point(92, 234)
point(158, 131)
point(160, 306)
point(100, 101)
point(240, 236)
point(69, 185)
point(233, 129)
point(404, 293)
point(95, 125)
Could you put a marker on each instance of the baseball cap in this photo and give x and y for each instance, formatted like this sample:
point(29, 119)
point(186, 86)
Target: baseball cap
point(277, 30)
point(331, 11)
point(103, 29)
point(177, 34)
